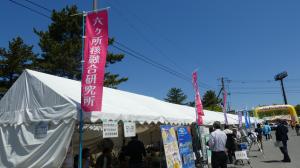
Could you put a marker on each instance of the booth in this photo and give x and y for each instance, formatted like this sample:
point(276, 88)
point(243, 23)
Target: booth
point(39, 119)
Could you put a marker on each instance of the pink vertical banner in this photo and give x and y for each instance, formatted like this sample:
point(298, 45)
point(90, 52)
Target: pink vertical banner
point(200, 120)
point(198, 103)
point(95, 50)
point(224, 106)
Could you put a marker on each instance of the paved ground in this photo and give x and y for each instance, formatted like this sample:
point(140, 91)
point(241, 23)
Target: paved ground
point(272, 156)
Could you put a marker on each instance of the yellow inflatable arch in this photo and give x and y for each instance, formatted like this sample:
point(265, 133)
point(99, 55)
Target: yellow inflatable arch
point(290, 108)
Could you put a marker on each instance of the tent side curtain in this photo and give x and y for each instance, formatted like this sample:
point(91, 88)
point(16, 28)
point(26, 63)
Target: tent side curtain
point(21, 148)
point(30, 100)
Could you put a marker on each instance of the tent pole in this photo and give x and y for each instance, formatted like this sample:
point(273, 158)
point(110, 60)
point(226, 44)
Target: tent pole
point(81, 112)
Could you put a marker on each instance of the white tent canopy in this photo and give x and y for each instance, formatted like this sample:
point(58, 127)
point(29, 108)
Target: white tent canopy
point(42, 97)
point(38, 97)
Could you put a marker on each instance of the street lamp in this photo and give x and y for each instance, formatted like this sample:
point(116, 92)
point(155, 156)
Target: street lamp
point(280, 77)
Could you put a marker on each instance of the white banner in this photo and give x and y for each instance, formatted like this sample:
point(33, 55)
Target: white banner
point(129, 129)
point(110, 129)
point(241, 155)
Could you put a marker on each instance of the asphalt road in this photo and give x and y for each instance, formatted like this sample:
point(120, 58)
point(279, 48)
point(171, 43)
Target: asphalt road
point(271, 157)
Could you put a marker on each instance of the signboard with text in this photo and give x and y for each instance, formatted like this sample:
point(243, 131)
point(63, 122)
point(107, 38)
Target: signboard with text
point(186, 147)
point(41, 130)
point(129, 129)
point(110, 129)
point(173, 158)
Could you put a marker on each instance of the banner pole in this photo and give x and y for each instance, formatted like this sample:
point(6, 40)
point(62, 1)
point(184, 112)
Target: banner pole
point(81, 112)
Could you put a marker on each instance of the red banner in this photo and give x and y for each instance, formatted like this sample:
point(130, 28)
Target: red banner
point(198, 103)
point(95, 50)
point(200, 120)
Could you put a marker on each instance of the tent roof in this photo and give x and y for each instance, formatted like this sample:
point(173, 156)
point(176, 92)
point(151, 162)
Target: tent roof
point(56, 93)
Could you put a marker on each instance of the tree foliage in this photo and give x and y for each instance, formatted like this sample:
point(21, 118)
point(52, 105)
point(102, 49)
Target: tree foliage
point(14, 60)
point(210, 101)
point(191, 103)
point(61, 47)
point(176, 95)
point(61, 44)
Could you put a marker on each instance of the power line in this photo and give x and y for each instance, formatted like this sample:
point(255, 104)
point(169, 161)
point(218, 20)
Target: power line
point(157, 49)
point(123, 45)
point(270, 92)
point(252, 81)
point(149, 26)
point(32, 10)
point(132, 53)
point(152, 63)
point(38, 5)
point(257, 88)
point(261, 81)
point(161, 65)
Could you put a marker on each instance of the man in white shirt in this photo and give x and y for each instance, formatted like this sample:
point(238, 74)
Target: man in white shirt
point(217, 144)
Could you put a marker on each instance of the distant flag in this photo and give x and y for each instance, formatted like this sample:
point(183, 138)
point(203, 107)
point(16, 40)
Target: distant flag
point(246, 118)
point(198, 103)
point(249, 119)
point(240, 119)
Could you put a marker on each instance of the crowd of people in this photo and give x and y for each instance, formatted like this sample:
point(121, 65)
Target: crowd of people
point(224, 143)
point(130, 156)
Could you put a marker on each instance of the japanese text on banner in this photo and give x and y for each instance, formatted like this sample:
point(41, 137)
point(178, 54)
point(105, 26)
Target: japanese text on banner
point(95, 50)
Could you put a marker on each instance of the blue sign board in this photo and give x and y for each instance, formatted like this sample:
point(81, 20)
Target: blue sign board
point(185, 147)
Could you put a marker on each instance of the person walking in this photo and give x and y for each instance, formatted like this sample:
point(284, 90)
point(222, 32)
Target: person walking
point(259, 131)
point(293, 124)
point(282, 138)
point(217, 144)
point(297, 128)
point(230, 143)
point(267, 130)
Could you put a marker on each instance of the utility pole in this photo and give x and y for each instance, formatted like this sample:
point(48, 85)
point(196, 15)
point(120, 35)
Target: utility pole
point(222, 86)
point(81, 112)
point(224, 92)
point(280, 77)
point(95, 5)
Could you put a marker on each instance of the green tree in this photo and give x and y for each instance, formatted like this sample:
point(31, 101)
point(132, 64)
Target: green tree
point(176, 95)
point(191, 103)
point(61, 44)
point(14, 60)
point(61, 47)
point(211, 102)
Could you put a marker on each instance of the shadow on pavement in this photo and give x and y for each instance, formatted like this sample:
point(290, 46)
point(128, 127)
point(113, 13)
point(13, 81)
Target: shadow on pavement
point(271, 161)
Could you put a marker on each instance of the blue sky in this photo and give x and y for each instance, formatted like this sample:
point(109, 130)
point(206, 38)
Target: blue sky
point(246, 41)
